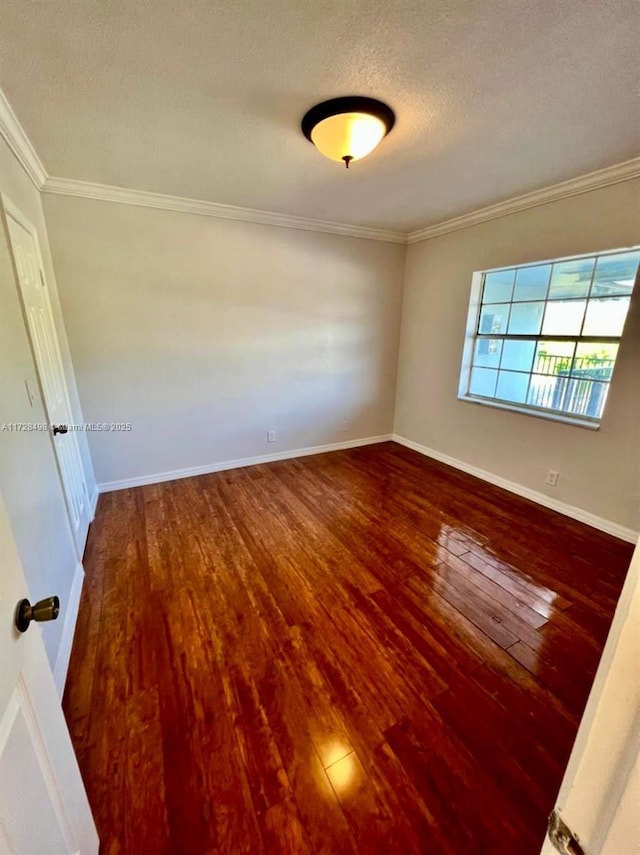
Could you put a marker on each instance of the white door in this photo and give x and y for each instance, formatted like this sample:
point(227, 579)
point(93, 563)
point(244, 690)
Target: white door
point(43, 804)
point(599, 800)
point(44, 342)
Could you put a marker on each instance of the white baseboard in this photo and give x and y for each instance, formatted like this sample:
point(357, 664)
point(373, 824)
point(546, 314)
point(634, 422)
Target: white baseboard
point(93, 503)
point(540, 498)
point(176, 474)
point(70, 617)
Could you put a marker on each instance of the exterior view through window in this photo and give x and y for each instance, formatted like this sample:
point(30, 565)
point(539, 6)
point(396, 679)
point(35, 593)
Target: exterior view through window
point(545, 336)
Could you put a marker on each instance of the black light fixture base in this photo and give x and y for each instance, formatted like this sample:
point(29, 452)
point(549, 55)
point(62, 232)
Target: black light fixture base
point(348, 104)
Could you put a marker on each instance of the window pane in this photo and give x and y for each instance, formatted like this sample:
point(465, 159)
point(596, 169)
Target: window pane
point(512, 386)
point(493, 319)
point(487, 352)
point(498, 286)
point(532, 282)
point(564, 318)
point(547, 391)
point(576, 396)
point(585, 397)
point(483, 382)
point(595, 360)
point(518, 355)
point(571, 279)
point(526, 318)
point(554, 357)
point(606, 316)
point(615, 274)
point(532, 344)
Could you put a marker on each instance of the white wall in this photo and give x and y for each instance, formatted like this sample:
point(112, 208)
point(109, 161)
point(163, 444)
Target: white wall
point(29, 478)
point(206, 333)
point(599, 470)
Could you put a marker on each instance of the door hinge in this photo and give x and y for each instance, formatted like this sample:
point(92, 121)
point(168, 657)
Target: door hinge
point(562, 837)
point(42, 282)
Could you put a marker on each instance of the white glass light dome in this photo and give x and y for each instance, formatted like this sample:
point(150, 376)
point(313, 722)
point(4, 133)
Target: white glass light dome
point(346, 129)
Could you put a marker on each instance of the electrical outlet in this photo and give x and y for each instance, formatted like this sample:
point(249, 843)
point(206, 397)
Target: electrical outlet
point(552, 478)
point(271, 436)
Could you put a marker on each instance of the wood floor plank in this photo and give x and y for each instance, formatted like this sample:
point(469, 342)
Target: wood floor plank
point(425, 749)
point(353, 653)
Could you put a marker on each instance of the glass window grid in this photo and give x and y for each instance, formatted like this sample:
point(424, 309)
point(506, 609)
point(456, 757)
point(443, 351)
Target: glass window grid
point(537, 408)
point(540, 337)
point(531, 373)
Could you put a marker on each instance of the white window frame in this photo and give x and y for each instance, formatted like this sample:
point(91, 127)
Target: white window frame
point(473, 317)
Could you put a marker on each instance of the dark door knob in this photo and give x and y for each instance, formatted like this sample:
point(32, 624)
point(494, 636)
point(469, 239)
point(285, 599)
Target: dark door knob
point(47, 609)
point(60, 429)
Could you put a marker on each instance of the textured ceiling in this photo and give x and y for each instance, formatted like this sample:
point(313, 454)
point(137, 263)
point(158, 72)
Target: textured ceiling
point(203, 99)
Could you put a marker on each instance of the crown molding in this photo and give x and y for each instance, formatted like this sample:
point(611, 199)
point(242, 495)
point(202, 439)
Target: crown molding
point(19, 143)
point(14, 134)
point(582, 184)
point(574, 186)
point(144, 199)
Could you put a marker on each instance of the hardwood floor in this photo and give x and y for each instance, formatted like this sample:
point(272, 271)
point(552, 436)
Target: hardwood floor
point(357, 652)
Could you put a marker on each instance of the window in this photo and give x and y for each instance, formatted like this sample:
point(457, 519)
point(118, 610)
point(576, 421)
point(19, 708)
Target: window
point(543, 338)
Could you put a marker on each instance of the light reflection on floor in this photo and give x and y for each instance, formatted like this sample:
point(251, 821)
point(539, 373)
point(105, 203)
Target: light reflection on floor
point(345, 774)
point(464, 544)
point(333, 751)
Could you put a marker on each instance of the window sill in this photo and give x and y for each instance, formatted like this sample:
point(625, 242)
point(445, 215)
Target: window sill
point(529, 411)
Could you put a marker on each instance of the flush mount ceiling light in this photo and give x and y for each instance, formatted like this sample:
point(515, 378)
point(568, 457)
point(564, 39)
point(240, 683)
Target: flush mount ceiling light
point(348, 128)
